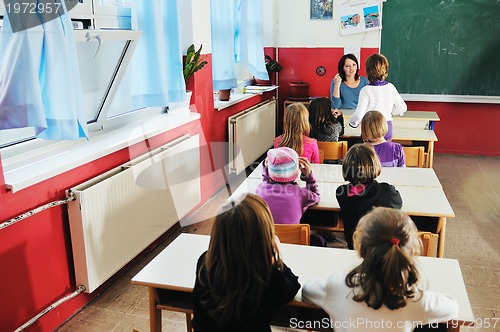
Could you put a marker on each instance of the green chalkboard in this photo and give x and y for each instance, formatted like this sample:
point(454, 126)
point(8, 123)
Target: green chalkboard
point(443, 47)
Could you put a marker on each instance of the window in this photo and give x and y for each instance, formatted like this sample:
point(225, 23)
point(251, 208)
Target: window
point(103, 57)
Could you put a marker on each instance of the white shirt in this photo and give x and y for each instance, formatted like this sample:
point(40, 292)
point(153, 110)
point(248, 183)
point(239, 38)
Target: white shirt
point(333, 295)
point(383, 98)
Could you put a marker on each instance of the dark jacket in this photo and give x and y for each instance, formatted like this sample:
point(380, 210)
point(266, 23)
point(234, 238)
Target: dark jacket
point(352, 208)
point(282, 287)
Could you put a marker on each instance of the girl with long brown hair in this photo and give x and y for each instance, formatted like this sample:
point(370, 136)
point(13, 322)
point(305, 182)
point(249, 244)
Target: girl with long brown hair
point(241, 279)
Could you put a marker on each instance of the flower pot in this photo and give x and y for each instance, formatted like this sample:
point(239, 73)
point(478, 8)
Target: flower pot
point(181, 107)
point(262, 82)
point(224, 95)
point(299, 90)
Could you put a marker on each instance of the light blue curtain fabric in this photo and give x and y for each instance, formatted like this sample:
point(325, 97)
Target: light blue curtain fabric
point(223, 44)
point(157, 62)
point(252, 38)
point(40, 81)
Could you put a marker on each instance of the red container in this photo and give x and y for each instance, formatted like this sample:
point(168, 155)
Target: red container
point(299, 90)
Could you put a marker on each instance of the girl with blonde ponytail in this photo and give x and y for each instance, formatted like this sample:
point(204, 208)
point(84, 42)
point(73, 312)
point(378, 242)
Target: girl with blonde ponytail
point(384, 292)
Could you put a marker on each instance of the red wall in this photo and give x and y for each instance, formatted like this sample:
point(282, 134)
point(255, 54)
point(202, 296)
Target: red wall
point(301, 63)
point(465, 128)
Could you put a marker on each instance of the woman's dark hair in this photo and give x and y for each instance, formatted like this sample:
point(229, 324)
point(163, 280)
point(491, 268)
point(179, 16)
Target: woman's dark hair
point(341, 64)
point(240, 259)
point(320, 115)
point(386, 239)
point(361, 164)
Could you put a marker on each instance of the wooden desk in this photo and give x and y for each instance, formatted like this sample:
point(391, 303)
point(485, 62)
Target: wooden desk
point(427, 137)
point(400, 176)
point(417, 202)
point(174, 269)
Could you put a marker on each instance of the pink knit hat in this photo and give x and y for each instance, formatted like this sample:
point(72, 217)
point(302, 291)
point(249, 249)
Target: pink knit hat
point(283, 164)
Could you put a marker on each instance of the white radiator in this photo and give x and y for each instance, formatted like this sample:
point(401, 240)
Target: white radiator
point(251, 134)
point(118, 214)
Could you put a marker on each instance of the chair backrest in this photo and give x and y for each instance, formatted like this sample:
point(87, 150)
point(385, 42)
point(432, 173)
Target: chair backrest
point(429, 243)
point(293, 233)
point(414, 155)
point(332, 150)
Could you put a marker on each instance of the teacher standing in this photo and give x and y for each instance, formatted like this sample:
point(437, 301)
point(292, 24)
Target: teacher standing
point(346, 85)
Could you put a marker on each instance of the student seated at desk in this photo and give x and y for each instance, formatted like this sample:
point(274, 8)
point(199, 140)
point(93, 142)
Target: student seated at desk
point(385, 292)
point(241, 279)
point(296, 131)
point(326, 123)
point(360, 167)
point(286, 199)
point(373, 130)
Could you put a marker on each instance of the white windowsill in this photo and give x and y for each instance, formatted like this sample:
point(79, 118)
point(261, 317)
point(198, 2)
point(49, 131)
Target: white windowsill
point(237, 97)
point(22, 171)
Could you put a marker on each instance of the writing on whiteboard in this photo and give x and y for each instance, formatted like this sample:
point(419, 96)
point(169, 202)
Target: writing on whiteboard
point(449, 48)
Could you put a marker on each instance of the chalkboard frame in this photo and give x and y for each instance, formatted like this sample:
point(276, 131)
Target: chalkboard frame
point(488, 97)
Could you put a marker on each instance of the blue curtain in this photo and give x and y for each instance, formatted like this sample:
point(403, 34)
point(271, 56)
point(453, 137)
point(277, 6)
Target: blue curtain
point(157, 62)
point(223, 43)
point(237, 37)
point(252, 40)
point(40, 80)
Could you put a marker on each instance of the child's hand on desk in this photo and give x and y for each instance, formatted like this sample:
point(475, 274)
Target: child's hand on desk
point(304, 166)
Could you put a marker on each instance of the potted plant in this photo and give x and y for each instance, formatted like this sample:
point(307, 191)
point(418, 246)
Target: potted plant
point(194, 62)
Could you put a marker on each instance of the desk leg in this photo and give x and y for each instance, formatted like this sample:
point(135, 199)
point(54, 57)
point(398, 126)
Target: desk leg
point(430, 150)
point(441, 230)
point(154, 313)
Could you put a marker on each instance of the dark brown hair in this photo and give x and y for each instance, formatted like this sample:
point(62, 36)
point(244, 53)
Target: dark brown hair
point(295, 126)
point(361, 164)
point(373, 126)
point(386, 239)
point(240, 258)
point(320, 115)
point(377, 67)
point(340, 66)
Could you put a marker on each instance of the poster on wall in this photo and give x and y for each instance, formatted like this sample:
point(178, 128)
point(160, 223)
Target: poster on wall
point(357, 17)
point(321, 10)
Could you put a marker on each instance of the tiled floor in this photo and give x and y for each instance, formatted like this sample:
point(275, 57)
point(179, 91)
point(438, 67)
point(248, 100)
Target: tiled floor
point(472, 186)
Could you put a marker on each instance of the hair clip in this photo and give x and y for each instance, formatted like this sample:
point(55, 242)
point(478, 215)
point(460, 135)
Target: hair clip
point(395, 241)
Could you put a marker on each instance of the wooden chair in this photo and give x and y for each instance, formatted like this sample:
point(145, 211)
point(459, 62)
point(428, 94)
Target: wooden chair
point(332, 150)
point(414, 155)
point(293, 233)
point(429, 243)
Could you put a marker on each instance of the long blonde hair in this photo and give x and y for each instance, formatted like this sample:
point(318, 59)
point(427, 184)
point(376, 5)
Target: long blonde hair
point(295, 126)
point(373, 126)
point(240, 259)
point(386, 239)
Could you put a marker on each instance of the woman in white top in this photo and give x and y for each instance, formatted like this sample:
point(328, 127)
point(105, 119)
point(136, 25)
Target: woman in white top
point(383, 293)
point(379, 95)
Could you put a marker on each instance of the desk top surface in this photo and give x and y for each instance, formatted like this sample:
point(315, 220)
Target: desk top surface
point(408, 115)
point(409, 134)
point(417, 201)
point(175, 268)
point(401, 176)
